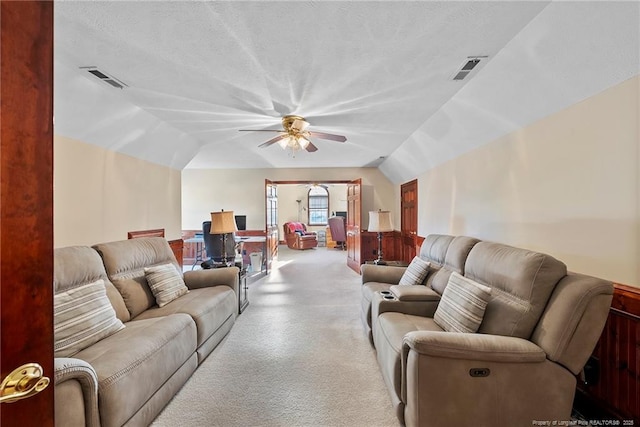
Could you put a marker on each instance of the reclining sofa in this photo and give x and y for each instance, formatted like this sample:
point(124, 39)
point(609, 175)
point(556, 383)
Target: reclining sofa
point(126, 375)
point(540, 325)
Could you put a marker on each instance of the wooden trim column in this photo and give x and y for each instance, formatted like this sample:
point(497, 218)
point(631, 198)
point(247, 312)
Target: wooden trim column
point(26, 202)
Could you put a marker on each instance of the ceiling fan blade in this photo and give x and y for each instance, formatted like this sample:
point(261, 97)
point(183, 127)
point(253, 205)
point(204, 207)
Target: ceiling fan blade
point(258, 130)
point(273, 140)
point(311, 148)
point(329, 136)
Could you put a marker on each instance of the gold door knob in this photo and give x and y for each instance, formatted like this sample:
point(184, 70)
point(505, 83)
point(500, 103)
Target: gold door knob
point(23, 382)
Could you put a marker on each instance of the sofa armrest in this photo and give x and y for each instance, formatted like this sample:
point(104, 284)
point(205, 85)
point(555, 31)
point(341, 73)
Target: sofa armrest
point(72, 369)
point(414, 293)
point(383, 304)
point(381, 273)
point(227, 276)
point(489, 348)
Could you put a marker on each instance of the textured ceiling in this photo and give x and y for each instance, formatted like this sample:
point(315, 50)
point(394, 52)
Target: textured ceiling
point(379, 73)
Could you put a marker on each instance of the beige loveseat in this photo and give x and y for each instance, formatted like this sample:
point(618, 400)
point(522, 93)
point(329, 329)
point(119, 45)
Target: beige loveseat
point(129, 376)
point(539, 328)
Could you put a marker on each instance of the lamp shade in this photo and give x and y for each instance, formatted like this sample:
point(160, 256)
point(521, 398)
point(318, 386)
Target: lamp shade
point(223, 222)
point(380, 221)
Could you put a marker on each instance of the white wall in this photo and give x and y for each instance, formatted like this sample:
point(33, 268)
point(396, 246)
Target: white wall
point(100, 195)
point(567, 185)
point(242, 191)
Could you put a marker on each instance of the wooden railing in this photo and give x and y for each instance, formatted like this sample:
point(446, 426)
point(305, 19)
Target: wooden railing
point(617, 389)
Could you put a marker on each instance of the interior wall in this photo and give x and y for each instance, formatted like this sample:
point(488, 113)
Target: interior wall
point(100, 195)
point(242, 191)
point(288, 195)
point(567, 185)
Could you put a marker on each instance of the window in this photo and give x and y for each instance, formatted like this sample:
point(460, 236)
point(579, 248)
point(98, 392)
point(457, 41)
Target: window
point(318, 205)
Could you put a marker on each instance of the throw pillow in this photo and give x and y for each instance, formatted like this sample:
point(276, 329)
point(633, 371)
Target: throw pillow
point(82, 316)
point(415, 273)
point(462, 305)
point(166, 283)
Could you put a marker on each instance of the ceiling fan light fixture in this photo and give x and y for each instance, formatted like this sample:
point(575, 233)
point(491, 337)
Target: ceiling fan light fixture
point(299, 124)
point(303, 142)
point(284, 142)
point(294, 135)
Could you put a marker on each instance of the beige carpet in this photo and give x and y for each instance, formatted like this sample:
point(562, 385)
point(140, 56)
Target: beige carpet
point(297, 356)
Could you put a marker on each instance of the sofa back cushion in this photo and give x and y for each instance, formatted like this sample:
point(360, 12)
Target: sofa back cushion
point(521, 281)
point(75, 266)
point(573, 320)
point(434, 248)
point(454, 261)
point(125, 261)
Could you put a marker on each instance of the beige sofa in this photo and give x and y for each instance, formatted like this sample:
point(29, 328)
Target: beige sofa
point(423, 300)
point(540, 326)
point(129, 376)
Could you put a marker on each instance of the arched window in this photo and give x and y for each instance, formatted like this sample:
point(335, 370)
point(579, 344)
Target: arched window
point(318, 202)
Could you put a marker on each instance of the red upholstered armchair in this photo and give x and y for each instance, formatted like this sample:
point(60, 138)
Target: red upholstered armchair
point(297, 236)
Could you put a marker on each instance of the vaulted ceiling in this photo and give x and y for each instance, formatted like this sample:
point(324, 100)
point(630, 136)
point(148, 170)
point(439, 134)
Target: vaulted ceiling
point(380, 73)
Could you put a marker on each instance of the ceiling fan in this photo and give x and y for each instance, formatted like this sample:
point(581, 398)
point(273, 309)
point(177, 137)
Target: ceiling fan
point(295, 135)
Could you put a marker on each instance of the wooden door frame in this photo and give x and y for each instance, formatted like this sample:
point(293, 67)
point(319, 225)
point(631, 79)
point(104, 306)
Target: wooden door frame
point(26, 202)
point(315, 181)
point(310, 182)
point(408, 238)
point(354, 230)
point(269, 251)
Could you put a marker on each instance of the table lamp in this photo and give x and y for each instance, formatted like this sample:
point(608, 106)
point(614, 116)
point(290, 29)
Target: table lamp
point(223, 222)
point(380, 221)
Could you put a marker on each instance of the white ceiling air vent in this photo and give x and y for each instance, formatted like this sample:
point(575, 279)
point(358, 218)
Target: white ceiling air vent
point(104, 77)
point(468, 66)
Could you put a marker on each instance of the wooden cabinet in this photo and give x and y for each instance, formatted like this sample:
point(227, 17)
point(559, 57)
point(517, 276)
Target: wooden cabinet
point(177, 248)
point(369, 246)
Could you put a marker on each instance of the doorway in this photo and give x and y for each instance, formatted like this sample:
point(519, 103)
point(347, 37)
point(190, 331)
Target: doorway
point(292, 204)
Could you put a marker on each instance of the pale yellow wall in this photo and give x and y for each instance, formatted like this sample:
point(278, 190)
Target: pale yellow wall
point(567, 185)
point(242, 191)
point(100, 195)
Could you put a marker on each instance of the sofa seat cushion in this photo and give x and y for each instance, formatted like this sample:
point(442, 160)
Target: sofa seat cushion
point(208, 307)
point(135, 362)
point(389, 331)
point(368, 289)
point(308, 237)
point(394, 326)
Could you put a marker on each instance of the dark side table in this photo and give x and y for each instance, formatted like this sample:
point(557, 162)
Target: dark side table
point(243, 289)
